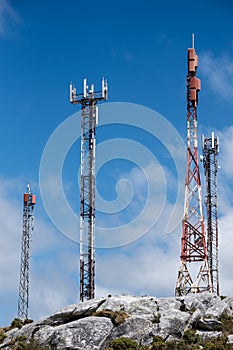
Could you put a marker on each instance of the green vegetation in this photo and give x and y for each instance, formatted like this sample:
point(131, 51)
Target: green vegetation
point(21, 343)
point(190, 341)
point(227, 323)
point(218, 344)
point(2, 335)
point(123, 344)
point(117, 317)
point(158, 343)
point(17, 323)
point(190, 337)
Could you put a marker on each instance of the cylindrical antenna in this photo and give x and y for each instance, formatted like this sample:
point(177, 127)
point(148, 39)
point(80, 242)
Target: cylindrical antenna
point(193, 40)
point(212, 137)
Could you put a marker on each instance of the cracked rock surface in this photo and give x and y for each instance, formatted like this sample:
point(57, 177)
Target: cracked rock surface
point(93, 324)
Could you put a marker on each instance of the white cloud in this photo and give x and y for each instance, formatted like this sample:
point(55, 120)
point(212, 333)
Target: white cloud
point(53, 262)
point(54, 270)
point(10, 230)
point(226, 147)
point(218, 73)
point(225, 253)
point(143, 268)
point(8, 16)
point(150, 264)
point(52, 286)
point(147, 266)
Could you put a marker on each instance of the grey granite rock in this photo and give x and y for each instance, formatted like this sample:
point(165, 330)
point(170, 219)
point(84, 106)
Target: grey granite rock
point(141, 306)
point(135, 327)
point(209, 335)
point(218, 309)
point(88, 333)
point(230, 338)
point(74, 312)
point(92, 325)
point(229, 302)
point(173, 322)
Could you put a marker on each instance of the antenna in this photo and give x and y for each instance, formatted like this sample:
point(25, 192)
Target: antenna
point(210, 153)
point(71, 91)
point(84, 88)
point(97, 115)
point(194, 272)
point(213, 143)
point(104, 89)
point(88, 101)
point(103, 83)
point(29, 201)
point(202, 140)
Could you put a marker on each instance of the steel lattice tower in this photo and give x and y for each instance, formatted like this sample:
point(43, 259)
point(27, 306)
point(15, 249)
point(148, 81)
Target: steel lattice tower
point(28, 227)
point(194, 273)
point(88, 101)
point(210, 147)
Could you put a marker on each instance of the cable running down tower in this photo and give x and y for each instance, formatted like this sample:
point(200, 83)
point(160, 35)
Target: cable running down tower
point(194, 273)
point(88, 100)
point(28, 228)
point(210, 147)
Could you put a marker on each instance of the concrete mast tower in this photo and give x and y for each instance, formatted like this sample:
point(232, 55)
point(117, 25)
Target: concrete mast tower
point(194, 272)
point(28, 227)
point(88, 100)
point(210, 148)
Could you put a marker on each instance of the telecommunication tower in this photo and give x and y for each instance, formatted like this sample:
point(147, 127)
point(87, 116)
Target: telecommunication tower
point(29, 201)
point(210, 147)
point(194, 273)
point(88, 100)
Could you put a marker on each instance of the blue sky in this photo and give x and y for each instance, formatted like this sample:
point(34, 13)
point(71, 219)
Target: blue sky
point(140, 47)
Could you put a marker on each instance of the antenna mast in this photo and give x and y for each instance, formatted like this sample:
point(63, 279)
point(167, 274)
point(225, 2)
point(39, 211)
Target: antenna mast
point(210, 147)
point(193, 40)
point(29, 201)
point(88, 100)
point(194, 273)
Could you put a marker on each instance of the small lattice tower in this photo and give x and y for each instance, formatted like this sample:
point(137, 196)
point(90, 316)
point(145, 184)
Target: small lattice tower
point(29, 201)
point(210, 148)
point(88, 100)
point(194, 273)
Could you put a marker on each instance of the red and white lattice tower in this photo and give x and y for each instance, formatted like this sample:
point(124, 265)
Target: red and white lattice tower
point(194, 272)
point(88, 100)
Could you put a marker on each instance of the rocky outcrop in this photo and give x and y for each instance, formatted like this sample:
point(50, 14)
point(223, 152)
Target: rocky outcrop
point(87, 333)
point(95, 323)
